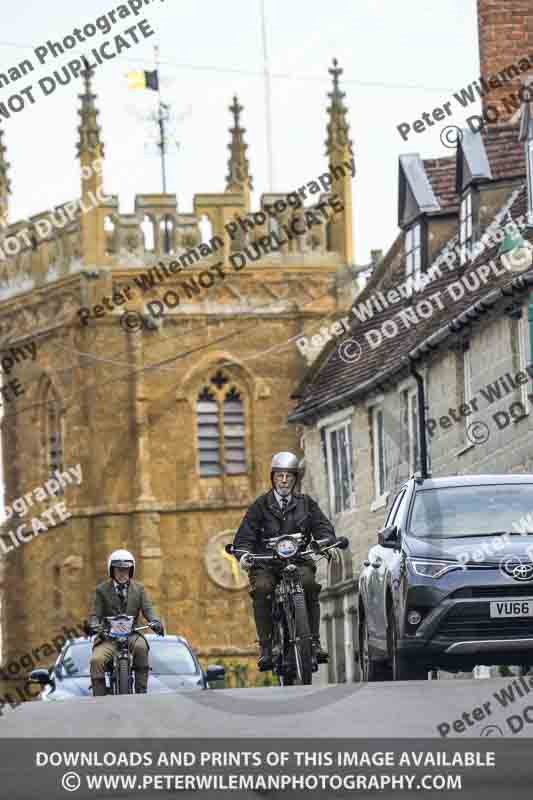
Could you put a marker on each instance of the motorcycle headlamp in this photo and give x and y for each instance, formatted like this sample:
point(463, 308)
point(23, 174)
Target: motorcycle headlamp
point(286, 548)
point(428, 568)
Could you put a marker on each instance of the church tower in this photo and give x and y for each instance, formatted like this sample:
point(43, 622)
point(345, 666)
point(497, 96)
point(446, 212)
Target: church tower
point(165, 370)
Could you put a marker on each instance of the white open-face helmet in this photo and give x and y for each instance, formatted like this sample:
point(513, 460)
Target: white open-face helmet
point(121, 558)
point(284, 462)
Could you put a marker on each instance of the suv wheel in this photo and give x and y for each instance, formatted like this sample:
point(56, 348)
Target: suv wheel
point(370, 670)
point(402, 670)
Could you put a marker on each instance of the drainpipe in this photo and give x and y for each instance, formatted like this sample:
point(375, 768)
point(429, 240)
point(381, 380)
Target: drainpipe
point(421, 421)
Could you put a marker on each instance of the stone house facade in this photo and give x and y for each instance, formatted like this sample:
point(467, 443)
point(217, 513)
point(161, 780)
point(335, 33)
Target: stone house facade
point(451, 301)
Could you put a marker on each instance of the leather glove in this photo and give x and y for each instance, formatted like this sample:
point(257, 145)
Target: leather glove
point(246, 562)
point(157, 627)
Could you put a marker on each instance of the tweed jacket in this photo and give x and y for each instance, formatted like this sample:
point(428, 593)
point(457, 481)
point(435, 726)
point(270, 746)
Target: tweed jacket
point(106, 603)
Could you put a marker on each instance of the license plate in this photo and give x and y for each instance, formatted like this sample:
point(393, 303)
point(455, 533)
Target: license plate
point(511, 608)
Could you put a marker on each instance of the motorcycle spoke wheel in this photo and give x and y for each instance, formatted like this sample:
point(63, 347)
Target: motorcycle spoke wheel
point(303, 651)
point(123, 677)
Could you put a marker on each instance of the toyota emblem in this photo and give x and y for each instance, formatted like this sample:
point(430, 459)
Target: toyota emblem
point(518, 569)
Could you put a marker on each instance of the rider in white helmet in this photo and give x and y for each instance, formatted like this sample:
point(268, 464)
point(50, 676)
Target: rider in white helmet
point(282, 510)
point(120, 594)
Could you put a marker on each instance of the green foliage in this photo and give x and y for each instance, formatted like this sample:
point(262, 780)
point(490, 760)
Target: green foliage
point(242, 675)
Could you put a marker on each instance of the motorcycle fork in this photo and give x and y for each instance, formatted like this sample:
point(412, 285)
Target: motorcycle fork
point(123, 652)
point(284, 613)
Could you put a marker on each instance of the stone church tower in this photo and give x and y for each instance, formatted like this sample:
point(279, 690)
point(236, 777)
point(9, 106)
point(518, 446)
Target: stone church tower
point(174, 424)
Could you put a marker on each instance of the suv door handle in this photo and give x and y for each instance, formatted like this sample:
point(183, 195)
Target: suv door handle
point(366, 563)
point(377, 562)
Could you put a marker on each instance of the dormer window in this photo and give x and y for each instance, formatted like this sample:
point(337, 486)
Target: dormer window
point(413, 251)
point(466, 228)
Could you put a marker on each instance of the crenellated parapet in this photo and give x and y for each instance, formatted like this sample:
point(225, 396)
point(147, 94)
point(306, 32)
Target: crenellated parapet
point(48, 246)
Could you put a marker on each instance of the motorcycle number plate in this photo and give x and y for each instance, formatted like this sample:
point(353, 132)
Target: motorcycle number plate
point(511, 608)
point(120, 627)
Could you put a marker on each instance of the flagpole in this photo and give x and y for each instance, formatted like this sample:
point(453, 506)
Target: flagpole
point(162, 143)
point(268, 110)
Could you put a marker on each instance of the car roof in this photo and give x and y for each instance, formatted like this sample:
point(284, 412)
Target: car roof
point(472, 480)
point(151, 637)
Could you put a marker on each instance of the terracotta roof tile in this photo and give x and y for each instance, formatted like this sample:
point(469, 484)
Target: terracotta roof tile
point(441, 175)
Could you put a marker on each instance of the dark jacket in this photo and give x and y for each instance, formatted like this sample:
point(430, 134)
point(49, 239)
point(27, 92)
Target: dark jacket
point(264, 520)
point(106, 603)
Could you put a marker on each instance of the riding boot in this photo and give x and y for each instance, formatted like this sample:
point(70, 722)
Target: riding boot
point(313, 608)
point(141, 681)
point(264, 662)
point(99, 687)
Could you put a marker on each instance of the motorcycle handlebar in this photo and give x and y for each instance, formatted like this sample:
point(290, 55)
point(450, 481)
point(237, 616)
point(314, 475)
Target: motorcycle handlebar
point(342, 543)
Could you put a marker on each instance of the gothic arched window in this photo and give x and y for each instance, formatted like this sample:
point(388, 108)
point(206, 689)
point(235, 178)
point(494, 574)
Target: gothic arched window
point(221, 428)
point(53, 432)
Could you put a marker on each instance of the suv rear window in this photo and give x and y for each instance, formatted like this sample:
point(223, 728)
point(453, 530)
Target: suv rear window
point(472, 510)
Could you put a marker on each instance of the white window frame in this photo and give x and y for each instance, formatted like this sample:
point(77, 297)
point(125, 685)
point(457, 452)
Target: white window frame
point(412, 400)
point(465, 227)
point(523, 355)
point(380, 496)
point(529, 161)
point(413, 247)
point(467, 382)
point(344, 424)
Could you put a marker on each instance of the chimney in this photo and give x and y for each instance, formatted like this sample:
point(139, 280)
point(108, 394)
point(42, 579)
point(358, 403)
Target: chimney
point(505, 54)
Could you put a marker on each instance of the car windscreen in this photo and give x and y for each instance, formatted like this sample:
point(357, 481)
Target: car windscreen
point(472, 510)
point(166, 658)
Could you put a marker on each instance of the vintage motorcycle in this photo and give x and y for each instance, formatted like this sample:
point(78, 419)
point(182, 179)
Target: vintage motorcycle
point(292, 651)
point(119, 670)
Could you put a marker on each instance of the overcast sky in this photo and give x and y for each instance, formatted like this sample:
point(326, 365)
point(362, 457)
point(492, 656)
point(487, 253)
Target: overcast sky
point(399, 60)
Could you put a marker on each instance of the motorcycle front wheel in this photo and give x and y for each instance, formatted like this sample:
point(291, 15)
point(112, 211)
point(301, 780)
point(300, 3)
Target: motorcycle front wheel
point(123, 676)
point(301, 635)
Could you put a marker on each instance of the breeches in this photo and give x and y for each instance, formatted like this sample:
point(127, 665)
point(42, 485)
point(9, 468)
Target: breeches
point(104, 652)
point(263, 580)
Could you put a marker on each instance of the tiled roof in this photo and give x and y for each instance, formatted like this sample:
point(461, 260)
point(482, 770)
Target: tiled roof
point(441, 175)
point(336, 382)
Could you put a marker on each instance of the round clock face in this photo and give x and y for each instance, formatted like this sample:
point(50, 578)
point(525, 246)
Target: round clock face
point(222, 568)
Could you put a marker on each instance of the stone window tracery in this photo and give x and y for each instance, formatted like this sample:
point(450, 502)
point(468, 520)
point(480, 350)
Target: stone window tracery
point(221, 431)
